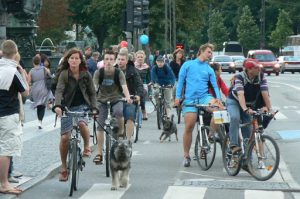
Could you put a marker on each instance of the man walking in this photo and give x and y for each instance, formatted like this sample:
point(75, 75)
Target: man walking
point(12, 81)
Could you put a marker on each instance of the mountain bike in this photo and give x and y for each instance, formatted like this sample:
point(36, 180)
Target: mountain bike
point(259, 154)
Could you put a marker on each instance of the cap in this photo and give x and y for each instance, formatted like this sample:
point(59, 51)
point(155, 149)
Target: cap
point(124, 44)
point(250, 63)
point(160, 58)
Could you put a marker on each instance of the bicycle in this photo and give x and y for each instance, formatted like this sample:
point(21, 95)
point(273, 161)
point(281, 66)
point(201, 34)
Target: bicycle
point(259, 154)
point(108, 128)
point(75, 162)
point(205, 147)
point(161, 112)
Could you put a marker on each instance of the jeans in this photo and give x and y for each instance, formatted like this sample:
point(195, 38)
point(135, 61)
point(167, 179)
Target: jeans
point(236, 116)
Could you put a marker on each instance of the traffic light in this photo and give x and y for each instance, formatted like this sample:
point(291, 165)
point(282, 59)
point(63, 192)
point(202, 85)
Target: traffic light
point(137, 14)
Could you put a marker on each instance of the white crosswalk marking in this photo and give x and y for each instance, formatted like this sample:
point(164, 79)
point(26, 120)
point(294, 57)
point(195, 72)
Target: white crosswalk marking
point(298, 112)
point(103, 191)
point(250, 194)
point(280, 116)
point(181, 192)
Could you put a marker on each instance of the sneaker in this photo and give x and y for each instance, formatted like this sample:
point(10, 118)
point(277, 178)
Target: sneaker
point(17, 174)
point(12, 179)
point(187, 162)
point(261, 165)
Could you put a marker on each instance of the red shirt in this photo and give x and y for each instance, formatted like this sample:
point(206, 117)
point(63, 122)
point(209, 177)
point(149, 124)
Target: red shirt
point(222, 86)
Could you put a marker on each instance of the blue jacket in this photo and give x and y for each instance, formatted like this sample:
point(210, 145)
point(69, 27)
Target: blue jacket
point(196, 74)
point(163, 76)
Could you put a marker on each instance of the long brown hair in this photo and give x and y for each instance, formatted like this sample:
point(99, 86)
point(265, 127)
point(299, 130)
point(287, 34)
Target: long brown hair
point(82, 65)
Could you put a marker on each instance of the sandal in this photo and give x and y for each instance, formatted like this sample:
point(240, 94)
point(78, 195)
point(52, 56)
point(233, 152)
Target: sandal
point(87, 152)
point(63, 176)
point(98, 159)
point(12, 190)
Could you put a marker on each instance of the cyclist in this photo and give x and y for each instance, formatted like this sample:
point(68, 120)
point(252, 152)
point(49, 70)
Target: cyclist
point(111, 84)
point(194, 77)
point(76, 91)
point(144, 71)
point(135, 87)
point(163, 75)
point(249, 90)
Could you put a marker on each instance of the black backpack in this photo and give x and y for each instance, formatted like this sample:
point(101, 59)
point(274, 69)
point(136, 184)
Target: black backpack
point(116, 78)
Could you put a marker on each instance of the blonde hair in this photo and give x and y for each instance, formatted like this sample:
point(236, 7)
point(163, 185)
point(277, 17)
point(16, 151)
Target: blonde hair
point(140, 52)
point(204, 47)
point(9, 48)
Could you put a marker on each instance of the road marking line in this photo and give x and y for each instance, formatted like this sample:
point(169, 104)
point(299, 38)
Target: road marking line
point(298, 112)
point(280, 116)
point(290, 85)
point(250, 194)
point(103, 191)
point(180, 192)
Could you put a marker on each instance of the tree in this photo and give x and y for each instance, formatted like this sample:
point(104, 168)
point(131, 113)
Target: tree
point(217, 32)
point(283, 29)
point(248, 32)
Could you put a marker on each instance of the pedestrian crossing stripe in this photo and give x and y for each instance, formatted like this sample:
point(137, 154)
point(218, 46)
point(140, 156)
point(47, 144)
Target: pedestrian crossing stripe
point(102, 190)
point(179, 192)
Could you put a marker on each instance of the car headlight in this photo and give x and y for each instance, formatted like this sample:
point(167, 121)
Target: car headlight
point(260, 65)
point(231, 65)
point(277, 65)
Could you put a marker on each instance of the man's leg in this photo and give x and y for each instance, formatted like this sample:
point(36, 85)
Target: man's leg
point(129, 128)
point(168, 99)
point(100, 141)
point(189, 120)
point(4, 162)
point(85, 133)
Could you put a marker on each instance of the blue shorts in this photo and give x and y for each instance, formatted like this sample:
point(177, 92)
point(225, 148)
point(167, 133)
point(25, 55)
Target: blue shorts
point(129, 111)
point(204, 100)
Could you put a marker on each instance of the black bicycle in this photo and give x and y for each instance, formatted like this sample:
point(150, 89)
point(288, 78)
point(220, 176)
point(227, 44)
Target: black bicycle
point(75, 162)
point(205, 147)
point(161, 111)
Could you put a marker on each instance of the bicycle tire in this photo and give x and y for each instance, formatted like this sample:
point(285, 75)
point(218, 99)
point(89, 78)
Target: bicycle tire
point(158, 115)
point(264, 168)
point(205, 155)
point(232, 166)
point(137, 125)
point(94, 132)
point(73, 166)
point(222, 134)
point(107, 152)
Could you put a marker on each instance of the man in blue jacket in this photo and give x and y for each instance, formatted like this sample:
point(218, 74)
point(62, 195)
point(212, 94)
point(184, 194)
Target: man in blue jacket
point(163, 75)
point(194, 76)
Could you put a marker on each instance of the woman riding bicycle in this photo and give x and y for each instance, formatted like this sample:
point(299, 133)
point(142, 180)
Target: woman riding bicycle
point(75, 90)
point(249, 90)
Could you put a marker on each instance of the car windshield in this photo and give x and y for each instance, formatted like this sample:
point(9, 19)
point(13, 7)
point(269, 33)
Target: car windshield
point(265, 57)
point(292, 59)
point(238, 58)
point(222, 59)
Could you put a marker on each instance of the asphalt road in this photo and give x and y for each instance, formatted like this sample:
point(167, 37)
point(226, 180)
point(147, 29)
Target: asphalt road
point(157, 170)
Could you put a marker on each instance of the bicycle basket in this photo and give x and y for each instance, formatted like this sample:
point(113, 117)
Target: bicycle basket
point(266, 121)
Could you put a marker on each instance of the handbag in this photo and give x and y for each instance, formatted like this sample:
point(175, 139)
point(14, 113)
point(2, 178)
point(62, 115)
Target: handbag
point(48, 80)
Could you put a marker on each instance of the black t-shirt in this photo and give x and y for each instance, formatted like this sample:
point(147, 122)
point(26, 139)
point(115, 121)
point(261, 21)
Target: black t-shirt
point(9, 102)
point(78, 98)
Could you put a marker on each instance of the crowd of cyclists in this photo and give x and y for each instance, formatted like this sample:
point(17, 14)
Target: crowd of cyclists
point(85, 82)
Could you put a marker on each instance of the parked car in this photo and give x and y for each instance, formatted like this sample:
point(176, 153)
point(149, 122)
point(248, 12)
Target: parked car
point(267, 59)
point(238, 62)
point(226, 63)
point(289, 64)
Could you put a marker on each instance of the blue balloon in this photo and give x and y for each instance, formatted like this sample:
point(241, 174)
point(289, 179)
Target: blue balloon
point(144, 39)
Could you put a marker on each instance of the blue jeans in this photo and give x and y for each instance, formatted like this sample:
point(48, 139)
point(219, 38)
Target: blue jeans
point(236, 116)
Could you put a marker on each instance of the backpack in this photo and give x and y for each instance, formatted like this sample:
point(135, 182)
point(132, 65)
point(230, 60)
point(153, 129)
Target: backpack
point(116, 78)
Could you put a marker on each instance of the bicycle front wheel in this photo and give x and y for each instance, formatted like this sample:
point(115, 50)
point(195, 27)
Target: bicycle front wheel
point(159, 115)
point(107, 151)
point(231, 162)
point(178, 111)
point(137, 125)
point(205, 153)
point(73, 166)
point(263, 158)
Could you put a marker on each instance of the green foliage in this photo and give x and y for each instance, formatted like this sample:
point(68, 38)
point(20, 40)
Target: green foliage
point(217, 32)
point(283, 29)
point(248, 32)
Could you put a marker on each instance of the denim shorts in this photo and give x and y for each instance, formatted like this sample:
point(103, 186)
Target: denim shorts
point(67, 122)
point(204, 100)
point(129, 111)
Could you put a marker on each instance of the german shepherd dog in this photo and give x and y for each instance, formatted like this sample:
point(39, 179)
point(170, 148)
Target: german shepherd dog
point(120, 157)
point(169, 127)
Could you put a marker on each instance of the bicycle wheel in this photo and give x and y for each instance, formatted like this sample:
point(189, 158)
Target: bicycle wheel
point(107, 151)
point(263, 161)
point(231, 162)
point(158, 115)
point(137, 125)
point(222, 134)
point(73, 166)
point(205, 154)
